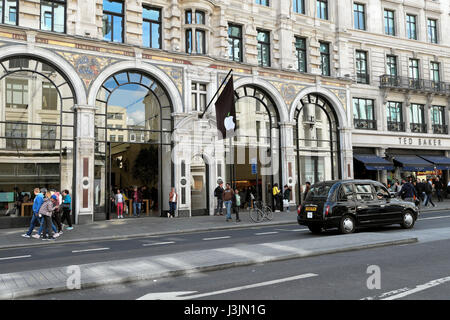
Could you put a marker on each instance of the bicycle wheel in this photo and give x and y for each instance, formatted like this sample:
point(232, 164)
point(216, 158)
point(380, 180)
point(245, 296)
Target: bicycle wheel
point(256, 215)
point(268, 213)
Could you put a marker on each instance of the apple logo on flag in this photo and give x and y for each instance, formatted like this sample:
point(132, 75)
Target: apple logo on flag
point(229, 123)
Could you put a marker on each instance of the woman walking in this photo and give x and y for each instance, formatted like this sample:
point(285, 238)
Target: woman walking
point(119, 201)
point(236, 204)
point(66, 208)
point(46, 211)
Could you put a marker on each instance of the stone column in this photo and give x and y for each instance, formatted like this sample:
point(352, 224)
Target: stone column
point(346, 153)
point(288, 161)
point(84, 181)
point(382, 174)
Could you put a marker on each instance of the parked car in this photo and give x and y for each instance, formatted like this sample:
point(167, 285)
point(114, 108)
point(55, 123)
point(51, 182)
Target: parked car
point(350, 204)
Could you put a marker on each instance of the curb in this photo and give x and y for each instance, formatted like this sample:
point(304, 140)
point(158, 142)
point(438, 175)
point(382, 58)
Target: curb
point(144, 235)
point(176, 273)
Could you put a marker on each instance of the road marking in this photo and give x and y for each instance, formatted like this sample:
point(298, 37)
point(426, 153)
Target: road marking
point(432, 218)
point(216, 238)
point(176, 295)
point(88, 250)
point(293, 230)
point(264, 233)
point(17, 257)
point(157, 243)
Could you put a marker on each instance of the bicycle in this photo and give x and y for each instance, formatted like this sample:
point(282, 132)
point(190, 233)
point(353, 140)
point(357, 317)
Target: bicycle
point(260, 212)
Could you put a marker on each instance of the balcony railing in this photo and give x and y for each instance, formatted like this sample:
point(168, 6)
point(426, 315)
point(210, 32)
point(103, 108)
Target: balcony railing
point(418, 127)
point(387, 81)
point(365, 124)
point(440, 129)
point(396, 126)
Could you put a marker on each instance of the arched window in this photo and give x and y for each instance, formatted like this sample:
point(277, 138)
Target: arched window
point(133, 131)
point(317, 144)
point(37, 125)
point(257, 140)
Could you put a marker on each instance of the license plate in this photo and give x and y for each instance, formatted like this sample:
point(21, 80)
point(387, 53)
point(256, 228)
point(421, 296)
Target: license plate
point(311, 209)
point(309, 215)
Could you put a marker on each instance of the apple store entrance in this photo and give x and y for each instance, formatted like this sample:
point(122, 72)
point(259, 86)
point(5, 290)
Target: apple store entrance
point(257, 141)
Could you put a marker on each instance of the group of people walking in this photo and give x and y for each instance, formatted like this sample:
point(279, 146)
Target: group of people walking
point(50, 210)
point(419, 191)
point(230, 198)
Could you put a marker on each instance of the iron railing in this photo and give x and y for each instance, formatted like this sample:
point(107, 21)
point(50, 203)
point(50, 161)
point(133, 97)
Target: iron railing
point(387, 81)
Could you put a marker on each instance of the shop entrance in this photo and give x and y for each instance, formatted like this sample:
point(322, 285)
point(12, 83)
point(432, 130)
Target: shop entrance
point(199, 186)
point(133, 165)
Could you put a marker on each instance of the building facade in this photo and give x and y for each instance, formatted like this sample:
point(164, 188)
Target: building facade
point(106, 94)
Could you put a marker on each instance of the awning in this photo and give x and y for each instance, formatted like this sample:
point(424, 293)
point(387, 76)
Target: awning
point(440, 162)
point(373, 162)
point(413, 163)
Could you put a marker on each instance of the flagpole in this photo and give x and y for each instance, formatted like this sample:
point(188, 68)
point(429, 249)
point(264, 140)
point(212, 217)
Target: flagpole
point(223, 82)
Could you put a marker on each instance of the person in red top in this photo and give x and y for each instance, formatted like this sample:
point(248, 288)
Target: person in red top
point(136, 195)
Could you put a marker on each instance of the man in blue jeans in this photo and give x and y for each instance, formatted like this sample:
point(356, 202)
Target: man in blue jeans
point(228, 200)
point(38, 200)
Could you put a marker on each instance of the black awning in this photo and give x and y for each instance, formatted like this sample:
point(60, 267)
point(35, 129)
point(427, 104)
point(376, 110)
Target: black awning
point(373, 162)
point(440, 162)
point(413, 163)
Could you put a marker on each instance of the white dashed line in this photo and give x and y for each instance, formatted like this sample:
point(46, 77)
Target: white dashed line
point(157, 243)
point(217, 238)
point(293, 230)
point(264, 233)
point(432, 218)
point(17, 257)
point(88, 250)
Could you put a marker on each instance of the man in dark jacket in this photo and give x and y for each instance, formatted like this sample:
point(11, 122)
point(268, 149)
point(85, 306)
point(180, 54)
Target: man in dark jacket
point(408, 192)
point(428, 193)
point(218, 193)
point(438, 186)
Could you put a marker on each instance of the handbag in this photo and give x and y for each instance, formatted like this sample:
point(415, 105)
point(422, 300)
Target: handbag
point(285, 203)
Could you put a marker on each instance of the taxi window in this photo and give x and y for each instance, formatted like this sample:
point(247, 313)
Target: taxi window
point(382, 190)
point(364, 192)
point(346, 192)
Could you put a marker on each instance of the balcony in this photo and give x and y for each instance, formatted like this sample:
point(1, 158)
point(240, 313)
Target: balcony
point(440, 129)
point(363, 78)
point(365, 124)
point(422, 85)
point(418, 127)
point(396, 126)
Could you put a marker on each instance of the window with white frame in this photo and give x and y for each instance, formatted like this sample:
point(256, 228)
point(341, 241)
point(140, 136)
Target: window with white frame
point(199, 95)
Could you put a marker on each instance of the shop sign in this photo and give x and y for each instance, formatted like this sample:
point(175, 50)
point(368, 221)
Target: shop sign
point(420, 141)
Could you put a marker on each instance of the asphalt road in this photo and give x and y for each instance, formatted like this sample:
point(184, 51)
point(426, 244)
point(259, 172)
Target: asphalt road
point(335, 276)
point(58, 255)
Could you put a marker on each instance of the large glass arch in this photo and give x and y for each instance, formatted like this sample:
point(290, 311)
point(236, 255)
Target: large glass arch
point(257, 139)
point(133, 130)
point(37, 127)
point(317, 142)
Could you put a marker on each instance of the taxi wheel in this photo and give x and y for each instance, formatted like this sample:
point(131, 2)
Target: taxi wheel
point(347, 225)
point(315, 229)
point(408, 220)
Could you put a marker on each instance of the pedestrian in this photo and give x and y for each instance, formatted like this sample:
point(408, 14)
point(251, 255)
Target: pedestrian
point(173, 197)
point(137, 201)
point(236, 204)
point(286, 196)
point(46, 212)
point(218, 193)
point(428, 194)
point(119, 201)
point(66, 209)
point(307, 188)
point(408, 192)
point(56, 214)
point(35, 219)
point(277, 197)
point(228, 199)
point(438, 186)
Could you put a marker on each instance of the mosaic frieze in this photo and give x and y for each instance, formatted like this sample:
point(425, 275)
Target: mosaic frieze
point(87, 66)
point(288, 91)
point(341, 95)
point(176, 74)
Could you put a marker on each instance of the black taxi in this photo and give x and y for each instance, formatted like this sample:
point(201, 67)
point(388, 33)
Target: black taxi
point(350, 204)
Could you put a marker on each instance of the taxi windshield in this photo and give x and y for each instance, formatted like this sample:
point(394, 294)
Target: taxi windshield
point(319, 191)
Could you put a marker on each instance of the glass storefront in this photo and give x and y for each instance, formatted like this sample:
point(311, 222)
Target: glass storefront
point(257, 140)
point(133, 132)
point(316, 138)
point(37, 124)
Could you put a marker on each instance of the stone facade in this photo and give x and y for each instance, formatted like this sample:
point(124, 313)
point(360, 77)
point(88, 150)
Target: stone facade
point(87, 61)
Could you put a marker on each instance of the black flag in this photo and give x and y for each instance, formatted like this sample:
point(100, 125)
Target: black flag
point(225, 111)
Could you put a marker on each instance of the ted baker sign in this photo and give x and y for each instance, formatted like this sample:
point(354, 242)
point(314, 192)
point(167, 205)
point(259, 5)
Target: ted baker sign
point(420, 141)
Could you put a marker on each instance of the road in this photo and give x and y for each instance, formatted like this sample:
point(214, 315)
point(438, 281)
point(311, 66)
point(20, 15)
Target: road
point(334, 276)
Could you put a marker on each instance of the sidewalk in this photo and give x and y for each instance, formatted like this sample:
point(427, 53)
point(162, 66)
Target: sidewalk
point(154, 226)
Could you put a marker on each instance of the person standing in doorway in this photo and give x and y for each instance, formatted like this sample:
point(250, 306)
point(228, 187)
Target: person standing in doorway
point(228, 194)
point(236, 204)
point(286, 197)
point(173, 197)
point(119, 201)
point(218, 193)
